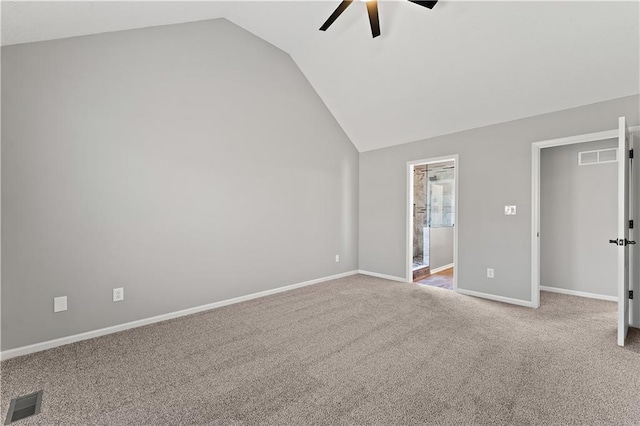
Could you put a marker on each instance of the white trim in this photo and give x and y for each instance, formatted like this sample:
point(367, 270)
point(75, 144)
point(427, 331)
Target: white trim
point(49, 344)
point(633, 233)
point(384, 276)
point(536, 147)
point(588, 137)
point(503, 299)
point(442, 268)
point(624, 279)
point(578, 293)
point(535, 225)
point(409, 214)
point(456, 223)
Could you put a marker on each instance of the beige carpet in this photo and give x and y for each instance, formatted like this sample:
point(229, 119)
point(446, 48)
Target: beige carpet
point(358, 350)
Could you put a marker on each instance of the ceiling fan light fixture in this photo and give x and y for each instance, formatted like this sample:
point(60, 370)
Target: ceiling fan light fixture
point(372, 10)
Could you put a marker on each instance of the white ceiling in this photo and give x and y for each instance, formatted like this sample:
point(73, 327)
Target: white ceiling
point(459, 66)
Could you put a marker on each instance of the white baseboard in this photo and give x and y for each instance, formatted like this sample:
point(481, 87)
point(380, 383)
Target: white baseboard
point(510, 300)
point(386, 277)
point(49, 344)
point(579, 293)
point(442, 268)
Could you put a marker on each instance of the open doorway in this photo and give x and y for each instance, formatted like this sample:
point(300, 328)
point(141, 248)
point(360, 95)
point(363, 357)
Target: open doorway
point(606, 150)
point(432, 220)
point(578, 216)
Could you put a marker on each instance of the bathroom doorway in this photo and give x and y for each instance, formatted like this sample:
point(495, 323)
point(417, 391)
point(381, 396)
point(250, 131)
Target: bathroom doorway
point(432, 248)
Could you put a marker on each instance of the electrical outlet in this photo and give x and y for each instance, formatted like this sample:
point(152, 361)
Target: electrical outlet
point(490, 273)
point(60, 304)
point(510, 210)
point(337, 258)
point(118, 294)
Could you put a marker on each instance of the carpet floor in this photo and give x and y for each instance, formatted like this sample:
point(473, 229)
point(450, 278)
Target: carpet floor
point(357, 350)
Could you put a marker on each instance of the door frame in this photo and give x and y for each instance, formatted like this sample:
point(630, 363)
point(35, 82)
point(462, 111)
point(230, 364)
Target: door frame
point(536, 149)
point(409, 212)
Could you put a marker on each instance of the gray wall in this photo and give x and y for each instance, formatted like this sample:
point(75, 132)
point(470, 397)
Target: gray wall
point(187, 163)
point(578, 216)
point(494, 171)
point(440, 247)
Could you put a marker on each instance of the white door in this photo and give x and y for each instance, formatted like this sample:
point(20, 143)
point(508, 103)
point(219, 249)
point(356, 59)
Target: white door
point(623, 230)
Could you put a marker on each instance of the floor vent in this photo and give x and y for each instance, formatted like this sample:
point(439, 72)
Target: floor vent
point(24, 406)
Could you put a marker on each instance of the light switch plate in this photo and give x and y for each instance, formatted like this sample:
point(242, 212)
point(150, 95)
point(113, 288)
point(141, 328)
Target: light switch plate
point(510, 210)
point(60, 304)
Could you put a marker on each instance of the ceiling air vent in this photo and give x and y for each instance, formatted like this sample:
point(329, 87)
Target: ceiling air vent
point(587, 158)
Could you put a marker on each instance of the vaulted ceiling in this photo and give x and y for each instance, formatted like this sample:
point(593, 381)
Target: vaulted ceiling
point(459, 66)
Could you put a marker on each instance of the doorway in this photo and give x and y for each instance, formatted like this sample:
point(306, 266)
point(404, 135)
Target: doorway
point(578, 215)
point(623, 237)
point(432, 235)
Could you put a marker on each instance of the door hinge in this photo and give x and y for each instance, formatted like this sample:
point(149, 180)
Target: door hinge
point(631, 154)
point(631, 224)
point(630, 294)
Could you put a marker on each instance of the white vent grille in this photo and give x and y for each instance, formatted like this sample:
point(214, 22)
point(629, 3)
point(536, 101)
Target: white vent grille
point(588, 158)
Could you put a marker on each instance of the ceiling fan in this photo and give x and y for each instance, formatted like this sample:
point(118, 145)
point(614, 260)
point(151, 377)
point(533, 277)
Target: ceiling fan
point(372, 9)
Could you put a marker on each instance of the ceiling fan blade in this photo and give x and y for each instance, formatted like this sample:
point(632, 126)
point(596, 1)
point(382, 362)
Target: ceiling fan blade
point(341, 8)
point(427, 4)
point(372, 8)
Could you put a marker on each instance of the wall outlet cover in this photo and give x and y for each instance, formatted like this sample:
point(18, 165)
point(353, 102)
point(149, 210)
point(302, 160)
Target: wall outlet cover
point(60, 304)
point(337, 258)
point(118, 294)
point(490, 273)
